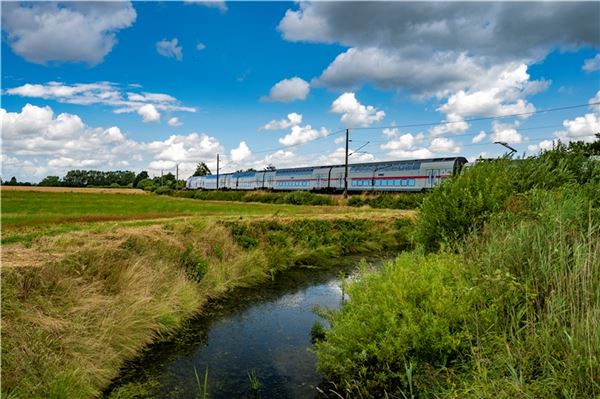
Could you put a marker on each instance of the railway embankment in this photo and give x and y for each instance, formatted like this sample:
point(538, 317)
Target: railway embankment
point(101, 296)
point(501, 298)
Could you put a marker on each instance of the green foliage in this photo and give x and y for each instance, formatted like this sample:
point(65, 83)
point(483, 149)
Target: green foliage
point(389, 201)
point(50, 181)
point(194, 264)
point(293, 198)
point(202, 170)
point(413, 312)
point(84, 178)
point(163, 191)
point(511, 311)
point(317, 332)
point(139, 177)
point(461, 205)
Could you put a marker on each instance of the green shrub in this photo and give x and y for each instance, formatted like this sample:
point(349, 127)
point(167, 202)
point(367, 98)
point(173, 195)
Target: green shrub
point(461, 205)
point(414, 311)
point(163, 191)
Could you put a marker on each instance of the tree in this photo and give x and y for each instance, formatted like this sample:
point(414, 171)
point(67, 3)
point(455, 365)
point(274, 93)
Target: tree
point(50, 181)
point(140, 176)
point(12, 182)
point(202, 170)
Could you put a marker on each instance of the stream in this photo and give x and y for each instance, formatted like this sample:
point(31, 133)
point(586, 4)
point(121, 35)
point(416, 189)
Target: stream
point(262, 332)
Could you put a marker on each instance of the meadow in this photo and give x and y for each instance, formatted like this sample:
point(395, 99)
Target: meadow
point(89, 279)
point(28, 213)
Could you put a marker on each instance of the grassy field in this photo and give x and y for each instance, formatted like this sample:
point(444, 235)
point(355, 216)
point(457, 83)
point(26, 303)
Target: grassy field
point(89, 278)
point(28, 214)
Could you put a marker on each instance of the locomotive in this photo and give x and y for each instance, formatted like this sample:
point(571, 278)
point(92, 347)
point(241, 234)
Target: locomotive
point(393, 176)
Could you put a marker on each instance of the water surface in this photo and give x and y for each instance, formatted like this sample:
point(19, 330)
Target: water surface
point(264, 329)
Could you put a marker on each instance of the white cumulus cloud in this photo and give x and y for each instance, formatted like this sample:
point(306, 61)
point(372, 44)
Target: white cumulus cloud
point(302, 135)
point(170, 49)
point(288, 90)
point(174, 121)
point(65, 32)
point(355, 114)
point(148, 113)
point(292, 119)
point(241, 153)
point(105, 93)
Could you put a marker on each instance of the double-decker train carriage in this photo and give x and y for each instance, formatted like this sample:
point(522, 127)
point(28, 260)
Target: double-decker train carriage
point(406, 175)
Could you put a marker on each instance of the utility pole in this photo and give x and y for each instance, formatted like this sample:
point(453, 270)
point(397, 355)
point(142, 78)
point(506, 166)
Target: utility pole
point(217, 171)
point(176, 177)
point(161, 177)
point(346, 168)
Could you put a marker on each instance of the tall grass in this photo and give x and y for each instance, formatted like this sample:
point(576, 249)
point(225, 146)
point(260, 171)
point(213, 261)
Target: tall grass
point(69, 324)
point(508, 307)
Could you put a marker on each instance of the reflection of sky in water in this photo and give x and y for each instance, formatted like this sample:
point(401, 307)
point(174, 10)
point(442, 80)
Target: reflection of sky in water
point(269, 333)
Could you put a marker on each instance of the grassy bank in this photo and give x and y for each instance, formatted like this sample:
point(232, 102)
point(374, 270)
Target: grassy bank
point(69, 323)
point(501, 299)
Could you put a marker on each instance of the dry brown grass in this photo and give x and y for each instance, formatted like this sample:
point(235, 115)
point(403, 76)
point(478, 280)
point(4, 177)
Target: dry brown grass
point(134, 191)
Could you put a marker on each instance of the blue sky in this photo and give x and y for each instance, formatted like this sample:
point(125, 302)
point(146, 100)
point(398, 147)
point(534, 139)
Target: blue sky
point(148, 85)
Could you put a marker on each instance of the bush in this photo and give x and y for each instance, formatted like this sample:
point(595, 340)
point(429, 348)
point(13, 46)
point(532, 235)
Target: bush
point(460, 205)
point(413, 312)
point(163, 191)
point(388, 200)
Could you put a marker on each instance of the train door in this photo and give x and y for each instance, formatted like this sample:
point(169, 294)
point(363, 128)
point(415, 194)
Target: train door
point(429, 183)
point(436, 177)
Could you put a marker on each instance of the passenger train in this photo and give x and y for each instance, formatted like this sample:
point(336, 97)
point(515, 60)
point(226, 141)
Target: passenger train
point(407, 175)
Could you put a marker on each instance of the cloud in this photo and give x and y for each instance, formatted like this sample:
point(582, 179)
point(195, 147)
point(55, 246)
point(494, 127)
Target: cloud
point(174, 121)
point(302, 135)
point(592, 64)
point(444, 145)
point(148, 113)
point(200, 46)
point(104, 93)
point(169, 49)
point(545, 145)
point(506, 132)
point(67, 32)
point(583, 127)
point(241, 153)
point(479, 138)
point(355, 114)
point(36, 142)
point(219, 4)
point(293, 119)
point(437, 47)
point(288, 90)
point(406, 146)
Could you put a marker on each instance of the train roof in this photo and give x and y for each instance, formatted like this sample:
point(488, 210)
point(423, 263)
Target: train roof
point(378, 163)
point(361, 164)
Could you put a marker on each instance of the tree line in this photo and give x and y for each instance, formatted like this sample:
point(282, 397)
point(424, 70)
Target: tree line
point(118, 178)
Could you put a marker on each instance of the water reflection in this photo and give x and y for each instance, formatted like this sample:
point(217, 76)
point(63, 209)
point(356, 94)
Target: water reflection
point(267, 329)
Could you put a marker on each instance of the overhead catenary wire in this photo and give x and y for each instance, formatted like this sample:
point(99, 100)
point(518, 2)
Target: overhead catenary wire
point(433, 124)
point(483, 118)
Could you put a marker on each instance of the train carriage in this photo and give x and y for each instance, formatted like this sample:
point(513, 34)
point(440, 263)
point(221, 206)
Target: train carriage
point(393, 176)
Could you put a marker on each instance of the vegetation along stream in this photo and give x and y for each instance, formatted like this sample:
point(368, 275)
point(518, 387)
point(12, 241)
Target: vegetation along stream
point(255, 344)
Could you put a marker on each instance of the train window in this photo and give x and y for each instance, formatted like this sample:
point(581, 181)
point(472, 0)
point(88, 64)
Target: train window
point(411, 182)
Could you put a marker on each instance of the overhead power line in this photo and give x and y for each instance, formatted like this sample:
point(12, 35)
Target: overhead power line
point(483, 118)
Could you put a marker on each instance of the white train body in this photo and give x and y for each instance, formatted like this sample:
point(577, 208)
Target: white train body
point(407, 175)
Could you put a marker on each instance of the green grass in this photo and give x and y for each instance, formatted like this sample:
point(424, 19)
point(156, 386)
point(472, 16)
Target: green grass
point(27, 215)
point(504, 305)
point(101, 276)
